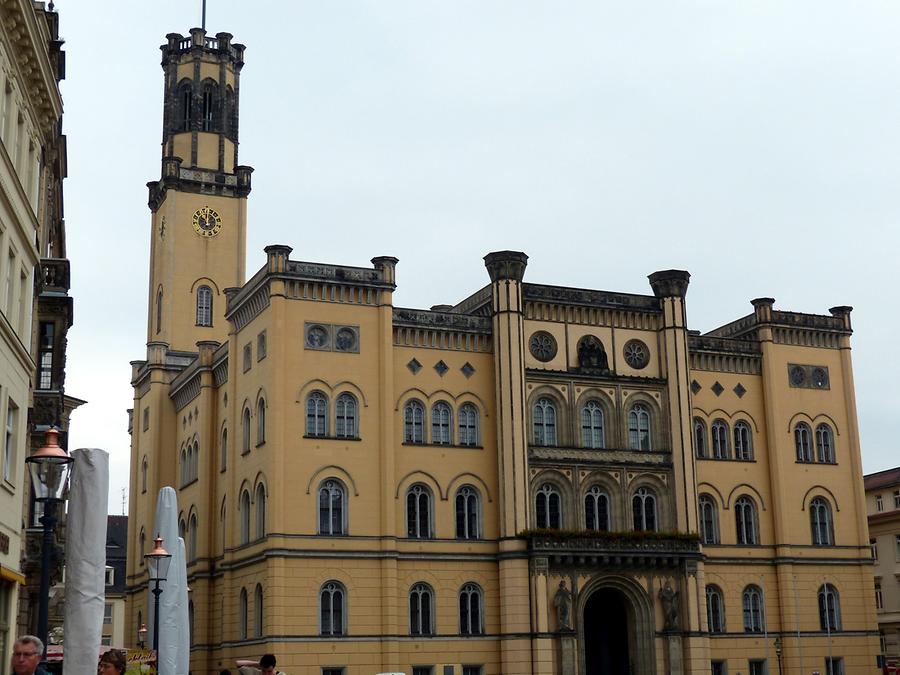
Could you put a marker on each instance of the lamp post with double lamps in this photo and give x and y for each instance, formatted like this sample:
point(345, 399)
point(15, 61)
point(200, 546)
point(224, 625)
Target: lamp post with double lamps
point(158, 564)
point(49, 467)
point(778, 649)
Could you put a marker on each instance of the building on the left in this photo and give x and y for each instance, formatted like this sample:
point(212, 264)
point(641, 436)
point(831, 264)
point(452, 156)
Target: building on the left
point(35, 306)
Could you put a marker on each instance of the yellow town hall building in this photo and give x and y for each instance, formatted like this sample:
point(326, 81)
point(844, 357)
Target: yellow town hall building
point(538, 479)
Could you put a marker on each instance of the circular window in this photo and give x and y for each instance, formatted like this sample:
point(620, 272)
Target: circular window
point(316, 337)
point(542, 346)
point(345, 340)
point(820, 377)
point(637, 354)
point(798, 376)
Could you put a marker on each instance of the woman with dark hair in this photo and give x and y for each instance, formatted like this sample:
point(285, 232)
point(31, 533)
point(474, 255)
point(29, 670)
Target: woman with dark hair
point(112, 663)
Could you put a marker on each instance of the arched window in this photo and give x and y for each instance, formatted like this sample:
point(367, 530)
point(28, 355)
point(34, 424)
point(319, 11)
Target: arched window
point(643, 506)
point(418, 512)
point(142, 546)
point(242, 614)
point(745, 521)
point(261, 421)
point(743, 441)
point(544, 422)
point(245, 431)
point(209, 118)
point(592, 435)
point(709, 520)
point(548, 507)
point(715, 609)
point(719, 430)
point(258, 611)
point(190, 623)
point(468, 425)
point(421, 608)
point(470, 622)
point(223, 532)
point(331, 508)
point(345, 416)
point(159, 296)
point(195, 462)
point(144, 466)
point(803, 442)
point(192, 538)
point(331, 609)
point(829, 608)
point(316, 414)
point(245, 517)
point(467, 513)
point(700, 438)
point(182, 467)
point(754, 619)
point(639, 427)
point(820, 522)
point(223, 459)
point(824, 444)
point(441, 418)
point(260, 511)
point(414, 422)
point(596, 510)
point(185, 101)
point(204, 306)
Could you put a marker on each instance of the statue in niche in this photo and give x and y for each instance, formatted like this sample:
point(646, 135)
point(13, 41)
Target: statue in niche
point(562, 601)
point(591, 354)
point(669, 598)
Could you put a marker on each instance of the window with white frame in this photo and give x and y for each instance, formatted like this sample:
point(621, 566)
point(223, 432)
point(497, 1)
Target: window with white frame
point(643, 506)
point(467, 513)
point(753, 610)
point(879, 596)
point(331, 508)
point(824, 444)
point(204, 306)
point(639, 427)
point(470, 622)
point(468, 425)
point(715, 609)
point(829, 608)
point(317, 414)
point(803, 442)
point(719, 431)
point(596, 509)
point(345, 411)
point(820, 522)
point(9, 443)
point(709, 520)
point(441, 423)
point(592, 435)
point(548, 511)
point(331, 609)
point(700, 438)
point(544, 422)
point(414, 422)
point(418, 512)
point(421, 610)
point(745, 521)
point(743, 441)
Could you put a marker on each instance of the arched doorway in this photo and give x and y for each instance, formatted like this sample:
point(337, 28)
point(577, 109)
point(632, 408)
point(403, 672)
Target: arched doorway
point(606, 634)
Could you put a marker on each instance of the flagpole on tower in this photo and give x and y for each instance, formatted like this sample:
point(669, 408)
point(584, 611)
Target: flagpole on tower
point(203, 18)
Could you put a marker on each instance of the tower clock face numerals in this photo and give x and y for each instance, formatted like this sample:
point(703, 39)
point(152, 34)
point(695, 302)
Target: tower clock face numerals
point(207, 222)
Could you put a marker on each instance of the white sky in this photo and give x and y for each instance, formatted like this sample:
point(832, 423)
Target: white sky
point(756, 145)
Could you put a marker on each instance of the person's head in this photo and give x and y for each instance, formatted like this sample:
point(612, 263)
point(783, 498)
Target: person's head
point(267, 664)
point(27, 653)
point(112, 663)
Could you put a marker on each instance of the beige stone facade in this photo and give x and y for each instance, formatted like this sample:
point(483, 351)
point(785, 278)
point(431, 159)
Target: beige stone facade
point(538, 479)
point(883, 507)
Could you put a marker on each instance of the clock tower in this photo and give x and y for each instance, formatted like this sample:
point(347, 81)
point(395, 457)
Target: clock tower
point(199, 205)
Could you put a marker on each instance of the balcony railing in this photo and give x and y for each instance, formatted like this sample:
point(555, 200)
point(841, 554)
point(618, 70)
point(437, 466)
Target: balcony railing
point(656, 549)
point(55, 275)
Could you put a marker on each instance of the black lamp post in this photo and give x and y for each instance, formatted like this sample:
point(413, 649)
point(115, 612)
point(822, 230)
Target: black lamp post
point(158, 563)
point(142, 635)
point(778, 652)
point(49, 467)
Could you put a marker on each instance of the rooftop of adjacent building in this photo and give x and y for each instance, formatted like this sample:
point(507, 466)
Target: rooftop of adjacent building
point(882, 479)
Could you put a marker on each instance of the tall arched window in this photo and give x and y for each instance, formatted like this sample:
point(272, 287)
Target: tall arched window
point(743, 441)
point(719, 431)
point(754, 618)
point(544, 422)
point(639, 427)
point(192, 538)
point(829, 608)
point(245, 517)
point(184, 466)
point(441, 420)
point(418, 512)
point(824, 444)
point(195, 462)
point(592, 435)
point(258, 613)
point(820, 522)
point(700, 438)
point(468, 425)
point(421, 608)
point(331, 508)
point(144, 466)
point(803, 442)
point(210, 102)
point(261, 421)
point(159, 298)
point(470, 622)
point(223, 459)
point(242, 615)
point(245, 431)
point(185, 101)
point(414, 422)
point(467, 513)
point(745, 521)
point(548, 510)
point(709, 520)
point(715, 609)
point(204, 306)
point(260, 511)
point(142, 546)
point(190, 623)
point(345, 416)
point(643, 506)
point(316, 414)
point(331, 609)
point(596, 510)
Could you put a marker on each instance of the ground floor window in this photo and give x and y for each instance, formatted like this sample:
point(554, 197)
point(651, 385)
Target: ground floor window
point(834, 665)
point(719, 668)
point(422, 670)
point(471, 670)
point(758, 667)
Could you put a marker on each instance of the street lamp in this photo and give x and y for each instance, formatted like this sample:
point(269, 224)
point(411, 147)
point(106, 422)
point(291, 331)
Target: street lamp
point(49, 468)
point(778, 652)
point(158, 563)
point(142, 635)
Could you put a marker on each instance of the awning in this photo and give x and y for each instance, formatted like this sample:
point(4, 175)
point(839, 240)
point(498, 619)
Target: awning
point(12, 575)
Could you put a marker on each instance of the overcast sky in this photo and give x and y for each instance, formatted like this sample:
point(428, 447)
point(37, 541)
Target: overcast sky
point(756, 145)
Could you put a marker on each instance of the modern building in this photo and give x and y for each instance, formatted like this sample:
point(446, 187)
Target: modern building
point(537, 479)
point(883, 506)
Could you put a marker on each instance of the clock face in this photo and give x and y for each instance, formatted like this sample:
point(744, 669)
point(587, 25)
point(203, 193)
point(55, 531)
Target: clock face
point(207, 222)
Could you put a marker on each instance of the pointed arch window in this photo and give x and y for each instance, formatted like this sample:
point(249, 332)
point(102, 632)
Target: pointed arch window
point(470, 622)
point(754, 620)
point(746, 522)
point(142, 546)
point(192, 538)
point(182, 467)
point(331, 609)
point(709, 520)
point(441, 421)
point(803, 442)
point(743, 441)
point(223, 459)
point(245, 431)
point(144, 471)
point(639, 427)
point(414, 422)
point(261, 421)
point(260, 511)
point(421, 608)
point(159, 300)
point(596, 510)
point(468, 425)
point(592, 435)
point(544, 422)
point(824, 444)
point(467, 512)
point(719, 431)
point(195, 461)
point(700, 438)
point(820, 522)
point(245, 517)
point(548, 507)
point(345, 425)
point(258, 613)
point(204, 306)
point(242, 614)
point(210, 107)
point(331, 508)
point(715, 609)
point(829, 608)
point(185, 105)
point(418, 512)
point(316, 414)
point(643, 506)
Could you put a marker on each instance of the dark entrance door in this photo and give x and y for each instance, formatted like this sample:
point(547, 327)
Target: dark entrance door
point(606, 633)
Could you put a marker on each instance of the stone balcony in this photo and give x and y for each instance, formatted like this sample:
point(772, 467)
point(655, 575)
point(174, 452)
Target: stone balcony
point(619, 549)
point(54, 277)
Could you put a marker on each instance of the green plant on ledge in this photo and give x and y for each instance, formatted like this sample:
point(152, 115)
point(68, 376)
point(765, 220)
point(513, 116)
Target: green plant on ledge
point(547, 533)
